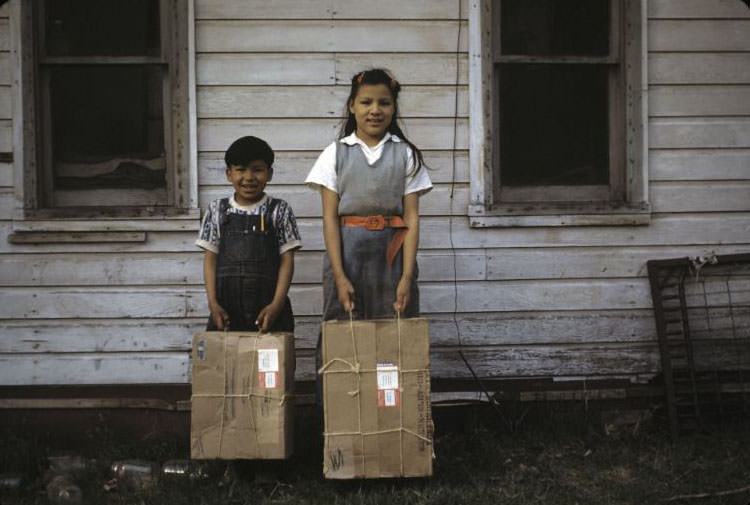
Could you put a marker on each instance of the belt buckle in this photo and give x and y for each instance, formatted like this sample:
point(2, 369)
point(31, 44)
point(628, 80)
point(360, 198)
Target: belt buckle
point(374, 222)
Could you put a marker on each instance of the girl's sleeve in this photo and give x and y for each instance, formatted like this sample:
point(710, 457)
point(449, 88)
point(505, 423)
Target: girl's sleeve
point(287, 232)
point(416, 182)
point(208, 236)
point(323, 172)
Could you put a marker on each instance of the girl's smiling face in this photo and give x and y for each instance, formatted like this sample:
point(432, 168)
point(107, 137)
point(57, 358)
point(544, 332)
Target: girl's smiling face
point(373, 110)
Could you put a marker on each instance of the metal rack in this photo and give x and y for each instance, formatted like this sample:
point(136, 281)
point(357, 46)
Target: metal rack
point(702, 311)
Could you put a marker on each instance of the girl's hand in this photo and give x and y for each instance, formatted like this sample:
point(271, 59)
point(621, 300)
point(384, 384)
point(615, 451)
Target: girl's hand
point(219, 315)
point(346, 293)
point(402, 294)
point(267, 316)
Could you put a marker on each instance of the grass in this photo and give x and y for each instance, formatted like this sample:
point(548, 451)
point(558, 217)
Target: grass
point(553, 459)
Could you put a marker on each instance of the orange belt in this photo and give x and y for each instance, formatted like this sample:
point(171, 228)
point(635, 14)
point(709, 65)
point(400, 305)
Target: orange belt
point(379, 222)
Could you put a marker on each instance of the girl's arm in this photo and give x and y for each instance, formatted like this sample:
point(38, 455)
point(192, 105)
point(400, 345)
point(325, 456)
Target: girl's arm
point(218, 313)
point(411, 244)
point(268, 314)
point(332, 236)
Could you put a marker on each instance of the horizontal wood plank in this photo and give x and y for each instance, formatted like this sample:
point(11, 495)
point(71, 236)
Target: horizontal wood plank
point(436, 297)
point(702, 229)
point(6, 174)
point(221, 36)
point(292, 167)
point(318, 101)
point(699, 100)
point(699, 164)
point(4, 34)
point(5, 102)
point(708, 196)
point(699, 68)
point(699, 133)
point(315, 134)
point(66, 237)
point(699, 35)
point(328, 9)
point(323, 69)
point(5, 79)
point(685, 9)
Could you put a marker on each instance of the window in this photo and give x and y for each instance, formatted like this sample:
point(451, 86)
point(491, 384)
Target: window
point(105, 96)
point(557, 117)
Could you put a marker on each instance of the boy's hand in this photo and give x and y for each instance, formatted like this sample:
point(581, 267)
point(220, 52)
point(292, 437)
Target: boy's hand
point(219, 315)
point(402, 294)
point(346, 293)
point(267, 316)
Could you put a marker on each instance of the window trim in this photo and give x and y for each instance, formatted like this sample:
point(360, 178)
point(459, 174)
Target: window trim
point(183, 196)
point(484, 211)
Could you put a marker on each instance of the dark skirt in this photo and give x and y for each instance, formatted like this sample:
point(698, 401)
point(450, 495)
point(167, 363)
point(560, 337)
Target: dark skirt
point(363, 255)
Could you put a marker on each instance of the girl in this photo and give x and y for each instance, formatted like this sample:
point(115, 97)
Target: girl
point(370, 182)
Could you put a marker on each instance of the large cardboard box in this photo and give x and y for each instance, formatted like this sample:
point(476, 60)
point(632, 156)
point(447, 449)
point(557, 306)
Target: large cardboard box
point(241, 403)
point(376, 399)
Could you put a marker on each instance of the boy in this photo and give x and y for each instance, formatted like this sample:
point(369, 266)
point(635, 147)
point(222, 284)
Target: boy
point(249, 241)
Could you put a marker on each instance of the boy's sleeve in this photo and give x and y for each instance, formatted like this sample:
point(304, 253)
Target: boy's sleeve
point(287, 233)
point(208, 236)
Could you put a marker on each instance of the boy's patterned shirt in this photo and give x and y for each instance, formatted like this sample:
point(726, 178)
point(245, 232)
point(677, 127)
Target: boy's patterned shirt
point(287, 233)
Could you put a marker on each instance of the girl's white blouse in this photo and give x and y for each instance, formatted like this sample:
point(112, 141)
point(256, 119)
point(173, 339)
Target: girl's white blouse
point(323, 172)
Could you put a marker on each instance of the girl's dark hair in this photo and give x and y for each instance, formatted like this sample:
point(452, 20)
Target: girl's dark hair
point(378, 76)
point(245, 150)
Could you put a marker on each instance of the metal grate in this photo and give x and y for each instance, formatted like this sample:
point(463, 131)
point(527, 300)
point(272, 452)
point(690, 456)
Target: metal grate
point(702, 311)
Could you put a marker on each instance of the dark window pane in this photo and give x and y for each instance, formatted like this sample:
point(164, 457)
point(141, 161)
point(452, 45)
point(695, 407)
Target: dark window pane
point(553, 124)
point(108, 116)
point(102, 27)
point(554, 27)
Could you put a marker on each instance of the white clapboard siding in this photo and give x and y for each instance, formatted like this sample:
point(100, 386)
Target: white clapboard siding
point(704, 229)
point(701, 100)
point(698, 164)
point(6, 174)
point(320, 101)
point(699, 133)
point(323, 69)
point(292, 167)
point(692, 196)
point(685, 9)
point(316, 36)
point(699, 35)
point(6, 136)
point(699, 68)
point(329, 9)
point(468, 329)
point(5, 102)
point(315, 134)
point(4, 34)
point(180, 302)
point(7, 202)
point(5, 79)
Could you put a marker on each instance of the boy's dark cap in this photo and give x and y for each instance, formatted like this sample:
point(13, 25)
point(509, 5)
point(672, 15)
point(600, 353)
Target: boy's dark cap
point(245, 150)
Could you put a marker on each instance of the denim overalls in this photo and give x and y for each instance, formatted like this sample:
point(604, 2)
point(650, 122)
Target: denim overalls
point(248, 268)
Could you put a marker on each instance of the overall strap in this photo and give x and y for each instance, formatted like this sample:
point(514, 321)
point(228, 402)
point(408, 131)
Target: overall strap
point(223, 207)
point(272, 204)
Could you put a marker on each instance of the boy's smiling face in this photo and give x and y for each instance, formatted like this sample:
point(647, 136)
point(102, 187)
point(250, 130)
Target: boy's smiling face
point(249, 181)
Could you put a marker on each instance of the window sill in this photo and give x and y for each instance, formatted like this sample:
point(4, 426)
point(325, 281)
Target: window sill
point(100, 220)
point(534, 214)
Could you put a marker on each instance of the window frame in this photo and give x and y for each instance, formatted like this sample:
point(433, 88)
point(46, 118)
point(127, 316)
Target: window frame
point(31, 174)
point(624, 201)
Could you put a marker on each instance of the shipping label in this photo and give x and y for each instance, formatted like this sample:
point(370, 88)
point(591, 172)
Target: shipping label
point(388, 387)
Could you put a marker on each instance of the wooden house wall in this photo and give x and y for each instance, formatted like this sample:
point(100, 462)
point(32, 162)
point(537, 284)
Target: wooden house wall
point(558, 302)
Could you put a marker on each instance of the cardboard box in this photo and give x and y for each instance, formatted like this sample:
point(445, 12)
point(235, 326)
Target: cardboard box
point(241, 403)
point(376, 399)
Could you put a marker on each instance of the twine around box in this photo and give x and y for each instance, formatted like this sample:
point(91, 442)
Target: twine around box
point(354, 367)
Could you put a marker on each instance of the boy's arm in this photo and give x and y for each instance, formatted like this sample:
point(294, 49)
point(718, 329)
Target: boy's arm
point(219, 315)
point(267, 316)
